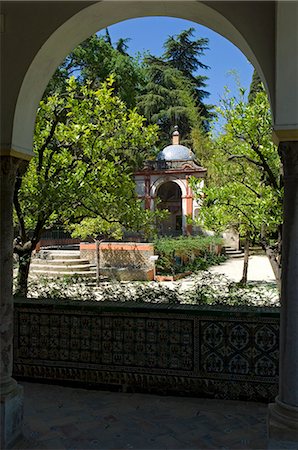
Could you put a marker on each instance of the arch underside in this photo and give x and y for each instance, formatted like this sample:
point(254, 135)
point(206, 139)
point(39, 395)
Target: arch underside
point(99, 15)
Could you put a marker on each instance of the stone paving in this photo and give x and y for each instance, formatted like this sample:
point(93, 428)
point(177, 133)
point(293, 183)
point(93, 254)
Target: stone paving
point(57, 417)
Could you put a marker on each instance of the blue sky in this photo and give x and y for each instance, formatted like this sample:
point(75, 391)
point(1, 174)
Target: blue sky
point(150, 33)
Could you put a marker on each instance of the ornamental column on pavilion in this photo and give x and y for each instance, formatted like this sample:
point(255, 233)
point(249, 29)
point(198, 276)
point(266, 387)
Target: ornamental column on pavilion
point(164, 184)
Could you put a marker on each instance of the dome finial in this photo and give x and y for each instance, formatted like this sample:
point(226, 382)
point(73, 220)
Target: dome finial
point(176, 136)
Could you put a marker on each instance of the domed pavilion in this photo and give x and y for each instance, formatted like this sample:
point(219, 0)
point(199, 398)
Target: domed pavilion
point(167, 178)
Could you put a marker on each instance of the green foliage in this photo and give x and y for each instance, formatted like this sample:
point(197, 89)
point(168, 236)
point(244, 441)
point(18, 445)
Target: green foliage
point(186, 253)
point(243, 187)
point(214, 289)
point(94, 60)
point(87, 145)
point(255, 87)
point(166, 99)
point(207, 289)
point(173, 94)
point(184, 54)
point(166, 90)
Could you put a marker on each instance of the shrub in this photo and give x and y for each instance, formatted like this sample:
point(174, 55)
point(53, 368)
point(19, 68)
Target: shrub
point(203, 288)
point(177, 255)
point(215, 289)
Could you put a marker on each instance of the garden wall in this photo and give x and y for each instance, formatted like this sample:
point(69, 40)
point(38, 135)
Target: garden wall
point(185, 350)
point(123, 260)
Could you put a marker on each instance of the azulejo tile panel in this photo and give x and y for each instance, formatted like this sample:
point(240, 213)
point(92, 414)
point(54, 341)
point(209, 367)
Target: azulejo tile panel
point(241, 348)
point(121, 341)
point(180, 350)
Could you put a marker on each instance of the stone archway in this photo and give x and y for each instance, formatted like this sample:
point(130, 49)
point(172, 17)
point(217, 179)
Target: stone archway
point(37, 36)
point(100, 15)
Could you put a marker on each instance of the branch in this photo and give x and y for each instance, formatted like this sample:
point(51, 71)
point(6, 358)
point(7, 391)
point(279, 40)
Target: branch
point(250, 188)
point(265, 166)
point(96, 213)
point(37, 231)
point(247, 158)
point(46, 143)
point(242, 212)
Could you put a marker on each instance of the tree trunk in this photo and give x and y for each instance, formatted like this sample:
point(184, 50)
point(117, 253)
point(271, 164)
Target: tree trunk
point(23, 273)
point(274, 255)
point(97, 243)
point(274, 259)
point(245, 262)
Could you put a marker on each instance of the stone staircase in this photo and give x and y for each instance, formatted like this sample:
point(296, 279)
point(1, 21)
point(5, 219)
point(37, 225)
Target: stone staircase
point(233, 253)
point(58, 263)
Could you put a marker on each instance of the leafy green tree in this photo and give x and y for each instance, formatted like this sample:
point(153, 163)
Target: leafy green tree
point(87, 144)
point(94, 60)
point(244, 189)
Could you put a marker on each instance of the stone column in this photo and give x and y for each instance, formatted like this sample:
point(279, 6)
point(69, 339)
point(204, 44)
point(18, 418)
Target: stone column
point(184, 213)
point(189, 206)
point(283, 414)
point(11, 392)
point(147, 198)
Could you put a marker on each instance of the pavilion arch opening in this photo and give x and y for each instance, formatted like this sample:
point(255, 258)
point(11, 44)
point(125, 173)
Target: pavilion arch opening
point(170, 196)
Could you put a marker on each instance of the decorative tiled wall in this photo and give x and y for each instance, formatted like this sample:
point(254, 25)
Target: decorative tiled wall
point(222, 353)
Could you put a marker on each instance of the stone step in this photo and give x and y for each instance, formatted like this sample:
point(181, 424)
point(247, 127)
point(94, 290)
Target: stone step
point(59, 262)
point(58, 254)
point(234, 252)
point(61, 268)
point(52, 274)
point(238, 255)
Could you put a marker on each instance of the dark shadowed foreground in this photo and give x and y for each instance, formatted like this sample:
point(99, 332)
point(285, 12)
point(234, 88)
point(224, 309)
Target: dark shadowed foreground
point(70, 418)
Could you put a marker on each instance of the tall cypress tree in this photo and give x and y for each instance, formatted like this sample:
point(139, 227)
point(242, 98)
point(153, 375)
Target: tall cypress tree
point(167, 99)
point(174, 93)
point(183, 53)
point(256, 86)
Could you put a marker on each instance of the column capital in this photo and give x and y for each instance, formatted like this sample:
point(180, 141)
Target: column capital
point(13, 153)
point(8, 169)
point(284, 135)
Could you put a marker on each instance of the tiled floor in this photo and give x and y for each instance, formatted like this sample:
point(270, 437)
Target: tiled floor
point(58, 417)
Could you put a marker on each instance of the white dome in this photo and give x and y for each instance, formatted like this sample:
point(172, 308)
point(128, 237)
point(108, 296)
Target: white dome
point(176, 152)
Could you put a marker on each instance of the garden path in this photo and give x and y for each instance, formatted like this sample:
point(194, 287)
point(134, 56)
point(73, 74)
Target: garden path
point(259, 269)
